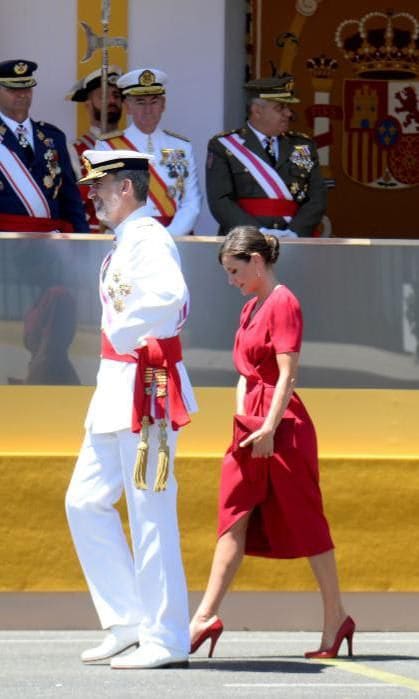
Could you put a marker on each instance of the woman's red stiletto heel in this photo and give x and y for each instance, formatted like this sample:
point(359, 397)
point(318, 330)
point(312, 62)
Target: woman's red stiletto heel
point(346, 630)
point(213, 632)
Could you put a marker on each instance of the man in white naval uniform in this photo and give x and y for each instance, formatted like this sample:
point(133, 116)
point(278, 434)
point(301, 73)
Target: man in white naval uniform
point(139, 598)
point(174, 194)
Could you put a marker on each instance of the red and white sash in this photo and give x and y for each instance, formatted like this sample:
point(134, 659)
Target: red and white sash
point(23, 184)
point(267, 178)
point(86, 141)
point(157, 189)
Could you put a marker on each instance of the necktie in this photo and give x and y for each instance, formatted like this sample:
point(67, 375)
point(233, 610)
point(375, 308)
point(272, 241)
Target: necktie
point(268, 143)
point(22, 137)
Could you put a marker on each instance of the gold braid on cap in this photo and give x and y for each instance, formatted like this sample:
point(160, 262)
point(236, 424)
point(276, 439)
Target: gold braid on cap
point(86, 164)
point(139, 90)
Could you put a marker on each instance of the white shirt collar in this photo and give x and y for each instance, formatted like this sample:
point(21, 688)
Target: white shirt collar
point(156, 133)
point(137, 213)
point(12, 124)
point(262, 136)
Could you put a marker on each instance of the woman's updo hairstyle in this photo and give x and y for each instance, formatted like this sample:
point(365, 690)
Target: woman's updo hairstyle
point(242, 241)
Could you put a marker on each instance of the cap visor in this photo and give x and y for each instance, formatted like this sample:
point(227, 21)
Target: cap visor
point(137, 90)
point(91, 177)
point(18, 84)
point(278, 98)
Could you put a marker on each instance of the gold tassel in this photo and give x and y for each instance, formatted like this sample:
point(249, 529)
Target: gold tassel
point(140, 467)
point(163, 459)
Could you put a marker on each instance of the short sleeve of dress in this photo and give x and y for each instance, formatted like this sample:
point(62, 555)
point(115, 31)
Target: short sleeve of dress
point(285, 322)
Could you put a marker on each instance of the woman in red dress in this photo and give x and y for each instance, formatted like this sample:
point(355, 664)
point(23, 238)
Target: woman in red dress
point(270, 502)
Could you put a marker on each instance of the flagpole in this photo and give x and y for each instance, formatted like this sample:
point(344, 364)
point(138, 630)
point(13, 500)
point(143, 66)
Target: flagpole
point(106, 12)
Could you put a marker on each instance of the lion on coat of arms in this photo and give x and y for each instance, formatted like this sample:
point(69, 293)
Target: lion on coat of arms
point(409, 104)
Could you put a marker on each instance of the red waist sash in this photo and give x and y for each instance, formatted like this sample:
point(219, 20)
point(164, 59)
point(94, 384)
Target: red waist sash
point(263, 206)
point(29, 224)
point(156, 364)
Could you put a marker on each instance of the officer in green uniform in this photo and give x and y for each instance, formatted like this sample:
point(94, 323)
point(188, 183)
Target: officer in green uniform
point(263, 174)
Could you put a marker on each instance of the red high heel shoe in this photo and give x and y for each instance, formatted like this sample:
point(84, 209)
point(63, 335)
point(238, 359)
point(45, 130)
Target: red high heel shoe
point(213, 632)
point(346, 630)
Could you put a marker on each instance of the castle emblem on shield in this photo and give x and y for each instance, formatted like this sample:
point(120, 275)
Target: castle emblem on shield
point(380, 143)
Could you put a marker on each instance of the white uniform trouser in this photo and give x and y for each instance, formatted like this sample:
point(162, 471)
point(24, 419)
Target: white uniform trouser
point(149, 590)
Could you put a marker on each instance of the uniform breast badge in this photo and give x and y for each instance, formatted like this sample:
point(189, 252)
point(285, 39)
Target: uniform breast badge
point(52, 178)
point(301, 156)
point(118, 291)
point(298, 191)
point(175, 161)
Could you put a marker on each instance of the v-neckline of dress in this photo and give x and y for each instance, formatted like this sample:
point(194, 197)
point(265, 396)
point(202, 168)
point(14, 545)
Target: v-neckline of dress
point(254, 313)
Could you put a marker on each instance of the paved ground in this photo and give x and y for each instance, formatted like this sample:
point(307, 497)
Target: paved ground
point(45, 664)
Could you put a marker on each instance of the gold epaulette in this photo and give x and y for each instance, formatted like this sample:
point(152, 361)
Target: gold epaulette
point(300, 134)
point(48, 125)
point(226, 133)
point(109, 134)
point(176, 135)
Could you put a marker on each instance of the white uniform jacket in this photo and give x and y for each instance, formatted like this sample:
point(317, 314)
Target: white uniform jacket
point(178, 170)
point(143, 294)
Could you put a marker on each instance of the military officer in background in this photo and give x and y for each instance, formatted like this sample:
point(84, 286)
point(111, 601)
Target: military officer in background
point(88, 90)
point(174, 195)
point(263, 174)
point(38, 191)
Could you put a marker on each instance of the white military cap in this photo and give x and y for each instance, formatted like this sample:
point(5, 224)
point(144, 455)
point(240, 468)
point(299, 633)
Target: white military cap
point(80, 90)
point(99, 163)
point(143, 81)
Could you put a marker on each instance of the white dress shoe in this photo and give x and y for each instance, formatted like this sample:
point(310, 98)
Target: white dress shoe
point(116, 641)
point(150, 656)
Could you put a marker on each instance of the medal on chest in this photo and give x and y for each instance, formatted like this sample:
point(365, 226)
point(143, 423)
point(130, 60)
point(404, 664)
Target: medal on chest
point(176, 165)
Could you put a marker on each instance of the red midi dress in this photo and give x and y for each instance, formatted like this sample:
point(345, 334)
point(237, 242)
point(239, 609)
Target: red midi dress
point(282, 491)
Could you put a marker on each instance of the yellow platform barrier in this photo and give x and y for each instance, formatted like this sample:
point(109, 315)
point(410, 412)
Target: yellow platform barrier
point(370, 477)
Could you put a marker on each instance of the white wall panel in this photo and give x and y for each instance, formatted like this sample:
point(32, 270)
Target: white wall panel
point(44, 31)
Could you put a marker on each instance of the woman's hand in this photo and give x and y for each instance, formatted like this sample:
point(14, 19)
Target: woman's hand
point(262, 441)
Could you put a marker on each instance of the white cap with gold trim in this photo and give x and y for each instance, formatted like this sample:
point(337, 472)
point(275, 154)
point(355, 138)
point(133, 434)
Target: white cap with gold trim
point(143, 81)
point(99, 163)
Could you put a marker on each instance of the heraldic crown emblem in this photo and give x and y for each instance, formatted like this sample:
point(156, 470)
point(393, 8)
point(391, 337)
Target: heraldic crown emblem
point(20, 68)
point(383, 45)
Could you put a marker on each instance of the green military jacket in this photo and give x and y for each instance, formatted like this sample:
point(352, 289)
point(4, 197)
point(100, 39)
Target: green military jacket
point(228, 180)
